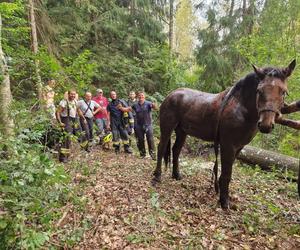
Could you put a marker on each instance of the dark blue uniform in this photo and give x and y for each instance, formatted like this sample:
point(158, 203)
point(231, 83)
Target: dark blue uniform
point(143, 126)
point(117, 125)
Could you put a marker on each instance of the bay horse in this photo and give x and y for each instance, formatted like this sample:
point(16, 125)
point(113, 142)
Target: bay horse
point(230, 119)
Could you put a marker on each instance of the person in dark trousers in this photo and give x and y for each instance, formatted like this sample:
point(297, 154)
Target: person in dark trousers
point(143, 124)
point(88, 108)
point(116, 109)
point(131, 115)
point(67, 116)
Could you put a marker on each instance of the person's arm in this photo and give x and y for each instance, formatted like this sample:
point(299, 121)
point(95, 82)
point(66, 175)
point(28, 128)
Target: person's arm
point(124, 109)
point(154, 106)
point(80, 114)
point(98, 108)
point(58, 112)
point(108, 120)
point(108, 117)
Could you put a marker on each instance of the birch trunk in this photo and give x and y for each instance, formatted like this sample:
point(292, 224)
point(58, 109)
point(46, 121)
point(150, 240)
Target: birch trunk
point(171, 25)
point(35, 51)
point(7, 123)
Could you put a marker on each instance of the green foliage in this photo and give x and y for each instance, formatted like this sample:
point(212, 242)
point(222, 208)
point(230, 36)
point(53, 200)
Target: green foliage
point(216, 52)
point(273, 42)
point(32, 185)
point(290, 144)
point(80, 69)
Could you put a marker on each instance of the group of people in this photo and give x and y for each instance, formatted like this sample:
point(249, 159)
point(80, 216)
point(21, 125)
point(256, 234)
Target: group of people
point(117, 117)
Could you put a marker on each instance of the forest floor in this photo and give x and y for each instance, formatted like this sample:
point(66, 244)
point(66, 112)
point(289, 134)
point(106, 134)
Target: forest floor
point(118, 208)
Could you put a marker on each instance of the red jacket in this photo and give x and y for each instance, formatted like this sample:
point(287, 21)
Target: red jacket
point(103, 102)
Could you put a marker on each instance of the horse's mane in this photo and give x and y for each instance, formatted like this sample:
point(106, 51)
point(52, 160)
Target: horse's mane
point(250, 82)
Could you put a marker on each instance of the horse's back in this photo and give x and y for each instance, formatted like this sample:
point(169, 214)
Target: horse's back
point(194, 111)
point(185, 99)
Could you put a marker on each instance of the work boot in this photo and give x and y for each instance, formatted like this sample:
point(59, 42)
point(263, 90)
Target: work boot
point(117, 148)
point(63, 159)
point(127, 149)
point(142, 154)
point(153, 157)
point(101, 140)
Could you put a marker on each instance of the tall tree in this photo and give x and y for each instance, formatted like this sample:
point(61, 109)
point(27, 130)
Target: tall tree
point(184, 25)
point(171, 25)
point(227, 22)
point(35, 48)
point(7, 123)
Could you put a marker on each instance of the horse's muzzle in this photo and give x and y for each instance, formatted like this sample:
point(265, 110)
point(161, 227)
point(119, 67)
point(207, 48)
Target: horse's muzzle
point(266, 121)
point(265, 129)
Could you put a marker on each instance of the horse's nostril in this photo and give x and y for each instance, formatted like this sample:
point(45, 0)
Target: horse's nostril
point(258, 124)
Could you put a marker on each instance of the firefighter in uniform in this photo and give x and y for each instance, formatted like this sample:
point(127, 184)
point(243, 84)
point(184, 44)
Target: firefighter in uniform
point(143, 124)
point(116, 110)
point(67, 115)
point(131, 101)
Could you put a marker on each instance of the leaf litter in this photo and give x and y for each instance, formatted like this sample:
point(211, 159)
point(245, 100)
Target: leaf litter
point(118, 208)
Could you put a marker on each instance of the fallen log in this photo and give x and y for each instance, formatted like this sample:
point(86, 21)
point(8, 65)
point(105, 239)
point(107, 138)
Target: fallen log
point(267, 159)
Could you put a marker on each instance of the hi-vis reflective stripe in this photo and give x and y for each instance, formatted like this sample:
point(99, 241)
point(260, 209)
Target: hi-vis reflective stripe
point(84, 144)
point(126, 142)
point(108, 138)
point(65, 151)
point(116, 143)
point(131, 121)
point(125, 114)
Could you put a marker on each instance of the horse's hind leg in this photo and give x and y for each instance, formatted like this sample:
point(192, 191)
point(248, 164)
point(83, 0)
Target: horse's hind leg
point(180, 139)
point(165, 136)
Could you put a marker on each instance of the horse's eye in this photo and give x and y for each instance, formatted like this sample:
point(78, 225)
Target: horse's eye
point(260, 92)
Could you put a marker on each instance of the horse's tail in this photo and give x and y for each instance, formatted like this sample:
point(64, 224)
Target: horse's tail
point(167, 155)
point(215, 171)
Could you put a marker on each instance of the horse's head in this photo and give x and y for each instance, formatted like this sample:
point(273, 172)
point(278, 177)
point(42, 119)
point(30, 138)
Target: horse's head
point(271, 91)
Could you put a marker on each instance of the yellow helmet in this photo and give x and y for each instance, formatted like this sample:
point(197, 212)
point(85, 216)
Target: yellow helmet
point(107, 138)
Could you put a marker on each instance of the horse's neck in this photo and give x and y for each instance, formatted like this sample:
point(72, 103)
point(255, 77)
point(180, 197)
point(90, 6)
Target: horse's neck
point(247, 98)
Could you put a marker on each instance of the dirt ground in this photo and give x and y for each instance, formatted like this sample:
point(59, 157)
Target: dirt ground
point(119, 209)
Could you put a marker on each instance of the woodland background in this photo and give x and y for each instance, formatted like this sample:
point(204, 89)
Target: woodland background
point(155, 45)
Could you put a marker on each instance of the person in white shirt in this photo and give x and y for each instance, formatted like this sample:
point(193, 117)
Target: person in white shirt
point(67, 116)
point(89, 108)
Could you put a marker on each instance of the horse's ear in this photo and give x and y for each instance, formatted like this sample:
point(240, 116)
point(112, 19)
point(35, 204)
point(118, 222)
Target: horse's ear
point(259, 72)
point(289, 69)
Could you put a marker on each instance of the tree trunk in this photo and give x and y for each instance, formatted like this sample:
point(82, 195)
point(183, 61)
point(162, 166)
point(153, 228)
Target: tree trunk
point(35, 51)
point(231, 8)
point(244, 6)
point(7, 123)
point(134, 45)
point(171, 25)
point(267, 159)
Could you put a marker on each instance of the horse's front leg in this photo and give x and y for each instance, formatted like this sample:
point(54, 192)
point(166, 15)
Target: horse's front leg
point(290, 108)
point(157, 171)
point(228, 154)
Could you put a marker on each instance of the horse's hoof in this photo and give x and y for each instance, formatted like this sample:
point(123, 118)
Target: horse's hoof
point(224, 204)
point(217, 189)
point(177, 177)
point(155, 180)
